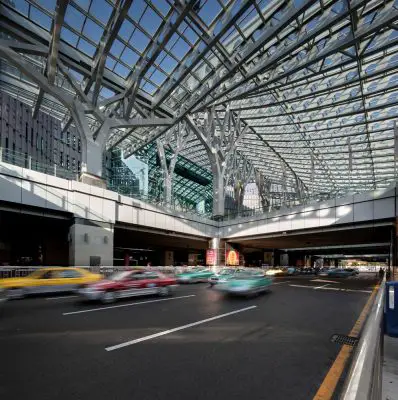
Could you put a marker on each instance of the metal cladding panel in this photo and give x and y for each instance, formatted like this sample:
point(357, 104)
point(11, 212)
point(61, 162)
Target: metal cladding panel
point(384, 208)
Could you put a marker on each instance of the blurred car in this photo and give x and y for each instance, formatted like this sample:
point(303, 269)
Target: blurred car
point(341, 273)
point(292, 271)
point(307, 271)
point(128, 284)
point(324, 272)
point(48, 280)
point(198, 274)
point(276, 272)
point(222, 276)
point(245, 284)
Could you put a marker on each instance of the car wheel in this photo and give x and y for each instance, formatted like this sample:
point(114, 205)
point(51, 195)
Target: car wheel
point(108, 297)
point(15, 293)
point(164, 291)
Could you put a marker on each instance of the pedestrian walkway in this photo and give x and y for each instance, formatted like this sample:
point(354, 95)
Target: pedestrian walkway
point(390, 369)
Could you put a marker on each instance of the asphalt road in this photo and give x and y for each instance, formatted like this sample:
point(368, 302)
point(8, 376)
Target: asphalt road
point(274, 346)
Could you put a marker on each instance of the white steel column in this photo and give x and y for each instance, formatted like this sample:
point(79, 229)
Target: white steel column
point(175, 140)
point(220, 134)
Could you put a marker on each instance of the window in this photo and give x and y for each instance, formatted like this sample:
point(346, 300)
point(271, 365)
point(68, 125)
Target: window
point(31, 136)
point(41, 144)
point(55, 156)
point(69, 274)
point(74, 142)
point(68, 138)
point(73, 164)
point(78, 166)
point(7, 143)
point(67, 162)
point(37, 141)
point(79, 145)
point(62, 136)
point(61, 158)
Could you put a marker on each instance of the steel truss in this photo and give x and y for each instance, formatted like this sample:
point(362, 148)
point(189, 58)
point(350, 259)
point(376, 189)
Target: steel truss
point(313, 85)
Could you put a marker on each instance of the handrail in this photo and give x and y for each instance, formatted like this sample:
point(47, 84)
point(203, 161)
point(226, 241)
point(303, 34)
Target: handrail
point(365, 375)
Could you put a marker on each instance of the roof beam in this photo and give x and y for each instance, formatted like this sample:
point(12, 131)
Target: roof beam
point(161, 38)
point(384, 18)
point(112, 29)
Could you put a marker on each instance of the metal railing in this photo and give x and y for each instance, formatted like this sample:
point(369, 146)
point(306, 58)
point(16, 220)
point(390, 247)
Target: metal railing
point(364, 381)
point(25, 161)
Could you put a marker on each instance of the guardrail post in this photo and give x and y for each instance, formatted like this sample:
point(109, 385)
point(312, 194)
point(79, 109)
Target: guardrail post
point(30, 162)
point(55, 169)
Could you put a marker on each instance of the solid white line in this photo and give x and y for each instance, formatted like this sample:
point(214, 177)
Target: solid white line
point(332, 288)
point(203, 321)
point(321, 287)
point(60, 297)
point(306, 286)
point(127, 305)
point(323, 280)
point(280, 283)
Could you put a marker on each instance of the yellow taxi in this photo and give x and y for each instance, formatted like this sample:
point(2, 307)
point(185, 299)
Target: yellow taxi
point(48, 280)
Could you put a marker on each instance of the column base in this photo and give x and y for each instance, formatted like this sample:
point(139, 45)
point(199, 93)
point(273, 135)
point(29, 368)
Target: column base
point(92, 180)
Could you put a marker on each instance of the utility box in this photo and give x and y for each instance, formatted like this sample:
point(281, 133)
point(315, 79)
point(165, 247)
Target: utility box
point(391, 309)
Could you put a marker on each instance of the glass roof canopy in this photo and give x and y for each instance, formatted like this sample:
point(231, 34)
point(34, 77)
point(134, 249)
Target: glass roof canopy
point(316, 81)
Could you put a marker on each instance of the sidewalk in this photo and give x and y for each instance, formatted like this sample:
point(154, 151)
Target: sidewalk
point(390, 369)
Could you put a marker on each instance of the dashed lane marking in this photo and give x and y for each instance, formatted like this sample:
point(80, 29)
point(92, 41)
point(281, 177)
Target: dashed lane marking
point(127, 305)
point(280, 283)
point(179, 328)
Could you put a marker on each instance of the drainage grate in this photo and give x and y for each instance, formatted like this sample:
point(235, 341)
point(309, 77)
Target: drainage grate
point(344, 339)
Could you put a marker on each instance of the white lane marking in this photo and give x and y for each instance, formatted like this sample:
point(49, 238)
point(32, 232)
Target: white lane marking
point(332, 288)
point(60, 297)
point(280, 283)
point(321, 287)
point(306, 286)
point(323, 280)
point(127, 305)
point(179, 328)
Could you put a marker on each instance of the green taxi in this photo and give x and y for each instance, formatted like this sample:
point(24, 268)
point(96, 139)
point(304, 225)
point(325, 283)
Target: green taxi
point(246, 283)
point(198, 274)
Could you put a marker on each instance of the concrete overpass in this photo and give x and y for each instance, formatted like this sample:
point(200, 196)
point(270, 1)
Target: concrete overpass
point(94, 213)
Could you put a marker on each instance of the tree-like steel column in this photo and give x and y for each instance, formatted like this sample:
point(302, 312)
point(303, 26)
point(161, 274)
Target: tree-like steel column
point(220, 134)
point(175, 139)
point(264, 188)
point(239, 174)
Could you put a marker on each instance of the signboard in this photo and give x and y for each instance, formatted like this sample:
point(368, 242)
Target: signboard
point(210, 257)
point(232, 257)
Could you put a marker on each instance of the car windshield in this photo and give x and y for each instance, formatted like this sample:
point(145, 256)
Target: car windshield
point(119, 276)
point(227, 272)
point(246, 275)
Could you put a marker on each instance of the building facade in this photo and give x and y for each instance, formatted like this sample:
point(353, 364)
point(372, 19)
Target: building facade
point(39, 138)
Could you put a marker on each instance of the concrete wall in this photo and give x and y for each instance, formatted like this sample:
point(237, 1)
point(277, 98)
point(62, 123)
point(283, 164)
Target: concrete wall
point(370, 206)
point(30, 188)
point(90, 240)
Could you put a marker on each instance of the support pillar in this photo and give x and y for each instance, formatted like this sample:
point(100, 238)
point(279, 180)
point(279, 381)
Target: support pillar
point(90, 243)
point(168, 258)
point(93, 146)
point(175, 139)
point(217, 249)
point(220, 136)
